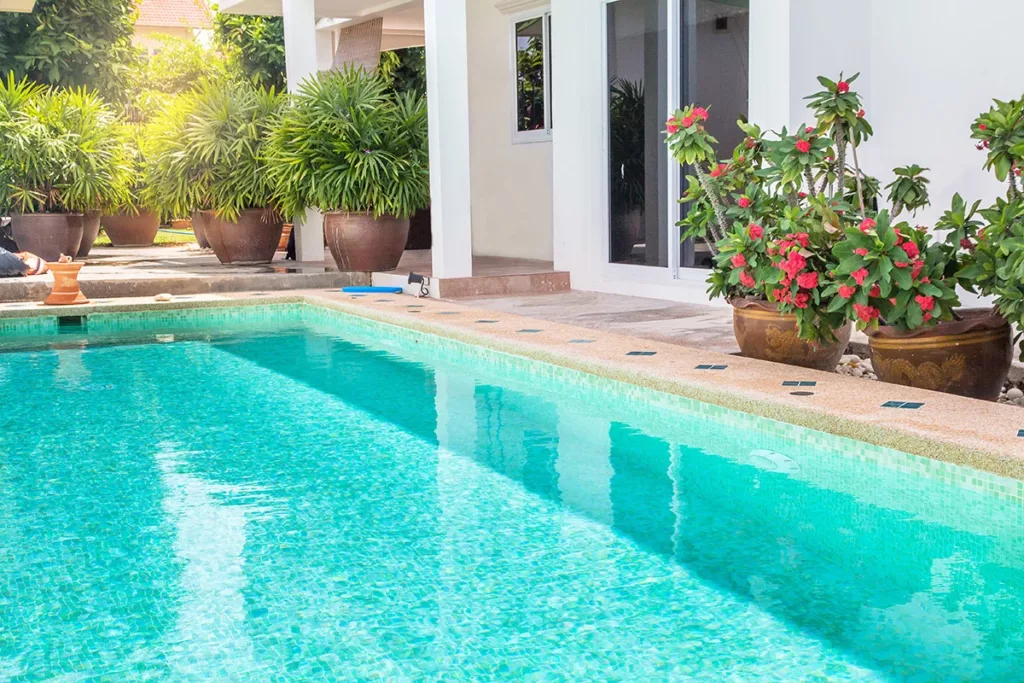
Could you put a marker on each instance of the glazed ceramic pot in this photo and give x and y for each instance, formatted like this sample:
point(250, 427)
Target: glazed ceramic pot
point(968, 357)
point(66, 291)
point(764, 333)
point(48, 235)
point(252, 238)
point(132, 230)
point(199, 230)
point(90, 231)
point(361, 243)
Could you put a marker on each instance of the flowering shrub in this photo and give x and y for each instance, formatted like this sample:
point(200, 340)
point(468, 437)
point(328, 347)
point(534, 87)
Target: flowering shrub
point(893, 274)
point(779, 211)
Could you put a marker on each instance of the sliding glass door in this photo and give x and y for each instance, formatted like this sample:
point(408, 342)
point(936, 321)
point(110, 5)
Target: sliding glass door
point(660, 55)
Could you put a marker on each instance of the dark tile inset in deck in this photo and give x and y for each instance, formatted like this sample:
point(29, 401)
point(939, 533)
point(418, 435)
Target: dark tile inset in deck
point(582, 341)
point(530, 331)
point(487, 322)
point(642, 353)
point(799, 383)
point(903, 405)
point(708, 366)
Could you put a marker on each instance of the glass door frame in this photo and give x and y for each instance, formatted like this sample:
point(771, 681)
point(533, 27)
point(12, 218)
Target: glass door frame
point(636, 273)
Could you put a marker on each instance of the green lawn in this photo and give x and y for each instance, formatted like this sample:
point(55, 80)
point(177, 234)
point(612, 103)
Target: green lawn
point(162, 239)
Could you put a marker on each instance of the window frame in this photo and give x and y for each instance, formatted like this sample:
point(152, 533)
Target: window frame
point(544, 134)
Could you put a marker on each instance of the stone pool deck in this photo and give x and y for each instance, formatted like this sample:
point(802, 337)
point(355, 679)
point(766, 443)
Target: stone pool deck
point(986, 436)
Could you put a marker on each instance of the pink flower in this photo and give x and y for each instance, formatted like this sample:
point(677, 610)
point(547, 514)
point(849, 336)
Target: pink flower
point(719, 171)
point(875, 291)
point(807, 280)
point(744, 202)
point(672, 126)
point(802, 195)
point(982, 126)
point(738, 261)
point(927, 316)
point(803, 146)
point(755, 231)
point(901, 264)
point(860, 252)
point(867, 224)
point(747, 280)
point(687, 121)
point(927, 303)
point(918, 267)
point(911, 249)
point(847, 292)
point(801, 300)
point(809, 129)
point(866, 313)
point(861, 113)
point(802, 238)
point(749, 142)
point(859, 276)
point(967, 244)
point(843, 87)
point(701, 113)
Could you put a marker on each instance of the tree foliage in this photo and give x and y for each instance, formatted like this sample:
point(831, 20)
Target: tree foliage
point(255, 45)
point(72, 43)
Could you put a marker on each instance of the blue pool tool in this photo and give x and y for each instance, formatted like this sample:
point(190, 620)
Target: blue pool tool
point(372, 290)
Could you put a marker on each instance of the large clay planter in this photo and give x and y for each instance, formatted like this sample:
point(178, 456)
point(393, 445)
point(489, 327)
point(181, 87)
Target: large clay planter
point(764, 333)
point(968, 357)
point(252, 238)
point(66, 291)
point(199, 230)
point(90, 231)
point(625, 235)
point(132, 230)
point(361, 243)
point(48, 235)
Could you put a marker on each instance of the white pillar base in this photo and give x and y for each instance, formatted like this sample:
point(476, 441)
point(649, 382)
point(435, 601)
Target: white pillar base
point(309, 236)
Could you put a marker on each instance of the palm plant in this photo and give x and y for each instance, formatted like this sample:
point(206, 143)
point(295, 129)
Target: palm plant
point(206, 150)
point(61, 151)
point(349, 144)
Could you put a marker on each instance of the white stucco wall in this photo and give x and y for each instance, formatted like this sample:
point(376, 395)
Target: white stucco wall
point(928, 68)
point(511, 183)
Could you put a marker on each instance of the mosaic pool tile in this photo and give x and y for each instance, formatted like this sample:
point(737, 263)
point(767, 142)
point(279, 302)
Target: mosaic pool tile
point(708, 366)
point(902, 405)
point(502, 521)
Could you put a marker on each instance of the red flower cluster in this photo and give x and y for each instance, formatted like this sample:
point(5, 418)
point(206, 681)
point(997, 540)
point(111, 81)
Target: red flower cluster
point(911, 249)
point(847, 292)
point(738, 261)
point(867, 224)
point(927, 303)
point(701, 113)
point(747, 280)
point(861, 252)
point(719, 171)
point(859, 276)
point(803, 146)
point(861, 114)
point(755, 231)
point(866, 313)
point(744, 202)
point(843, 87)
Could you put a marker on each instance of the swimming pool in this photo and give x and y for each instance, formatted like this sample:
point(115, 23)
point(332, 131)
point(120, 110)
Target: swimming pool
point(287, 492)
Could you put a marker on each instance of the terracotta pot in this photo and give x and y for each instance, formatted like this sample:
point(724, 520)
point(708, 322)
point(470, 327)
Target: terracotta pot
point(968, 357)
point(361, 243)
point(90, 231)
point(199, 229)
point(626, 233)
point(282, 244)
point(66, 291)
point(764, 333)
point(128, 230)
point(48, 235)
point(251, 239)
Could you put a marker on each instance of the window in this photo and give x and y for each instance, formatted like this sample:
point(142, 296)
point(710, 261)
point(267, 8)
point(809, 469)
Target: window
point(532, 49)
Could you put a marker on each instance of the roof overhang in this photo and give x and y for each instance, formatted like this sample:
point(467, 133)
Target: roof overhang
point(356, 10)
point(17, 5)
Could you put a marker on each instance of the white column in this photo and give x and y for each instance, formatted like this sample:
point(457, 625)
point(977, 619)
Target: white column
point(448, 98)
point(300, 54)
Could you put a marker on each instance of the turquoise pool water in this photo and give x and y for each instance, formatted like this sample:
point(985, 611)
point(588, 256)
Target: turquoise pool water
point(289, 494)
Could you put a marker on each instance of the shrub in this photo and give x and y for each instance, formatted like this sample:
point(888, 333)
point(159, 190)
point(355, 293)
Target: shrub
point(60, 150)
point(206, 150)
point(348, 144)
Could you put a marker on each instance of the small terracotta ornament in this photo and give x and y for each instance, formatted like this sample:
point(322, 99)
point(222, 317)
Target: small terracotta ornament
point(66, 291)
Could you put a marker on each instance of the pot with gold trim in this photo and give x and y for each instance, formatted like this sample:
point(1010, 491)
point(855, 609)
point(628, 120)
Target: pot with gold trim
point(970, 356)
point(764, 333)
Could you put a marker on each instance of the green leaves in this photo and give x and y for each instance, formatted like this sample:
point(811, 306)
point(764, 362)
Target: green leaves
point(909, 190)
point(60, 150)
point(207, 150)
point(348, 143)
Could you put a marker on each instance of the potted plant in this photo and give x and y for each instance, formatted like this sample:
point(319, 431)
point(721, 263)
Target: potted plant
point(207, 156)
point(352, 149)
point(133, 223)
point(771, 235)
point(61, 155)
